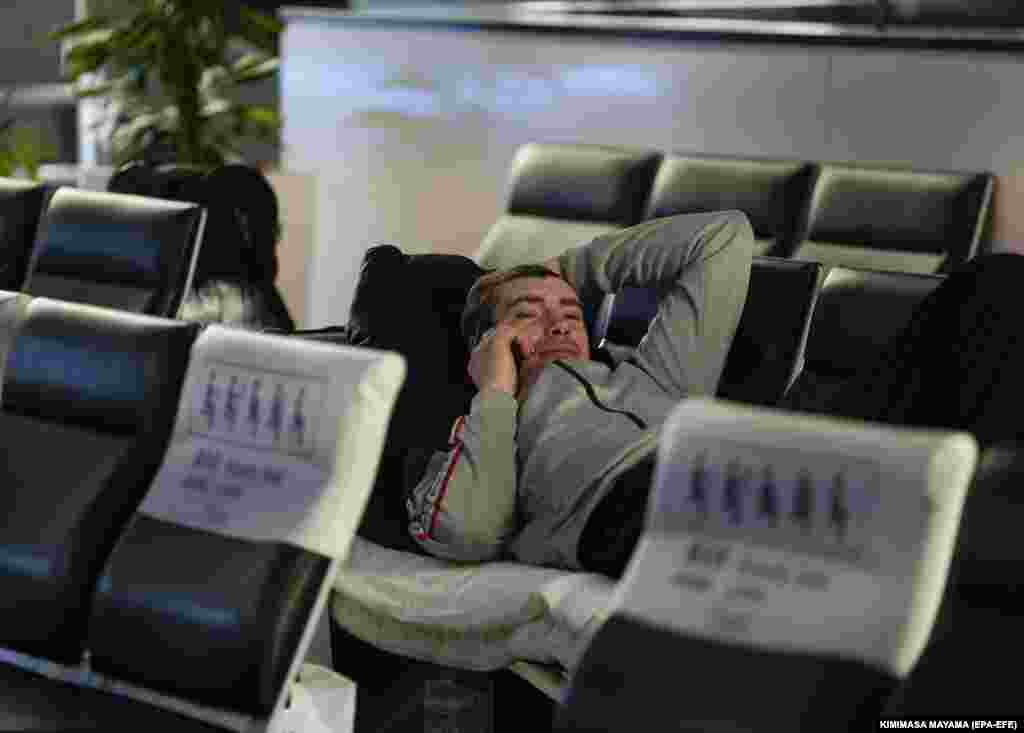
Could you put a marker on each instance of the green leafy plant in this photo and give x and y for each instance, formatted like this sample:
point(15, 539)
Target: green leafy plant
point(171, 69)
point(22, 149)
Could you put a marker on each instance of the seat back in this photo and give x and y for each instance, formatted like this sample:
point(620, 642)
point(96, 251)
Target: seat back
point(273, 454)
point(985, 599)
point(791, 568)
point(233, 282)
point(858, 313)
point(896, 220)
point(767, 351)
point(116, 250)
point(774, 194)
point(88, 400)
point(564, 195)
point(20, 204)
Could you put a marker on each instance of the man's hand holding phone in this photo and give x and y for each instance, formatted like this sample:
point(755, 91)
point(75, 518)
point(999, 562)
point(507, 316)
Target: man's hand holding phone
point(497, 360)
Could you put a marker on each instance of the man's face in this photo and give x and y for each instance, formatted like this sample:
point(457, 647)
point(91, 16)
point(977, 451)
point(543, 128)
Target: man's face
point(552, 320)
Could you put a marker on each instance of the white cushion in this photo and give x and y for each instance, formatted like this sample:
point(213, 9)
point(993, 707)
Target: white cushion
point(479, 616)
point(518, 239)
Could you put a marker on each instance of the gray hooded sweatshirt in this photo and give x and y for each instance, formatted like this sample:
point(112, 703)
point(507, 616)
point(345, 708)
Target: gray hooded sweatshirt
point(520, 480)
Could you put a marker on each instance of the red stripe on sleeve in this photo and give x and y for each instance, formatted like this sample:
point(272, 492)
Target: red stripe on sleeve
point(456, 436)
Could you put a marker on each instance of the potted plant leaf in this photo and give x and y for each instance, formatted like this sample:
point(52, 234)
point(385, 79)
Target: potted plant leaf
point(171, 70)
point(22, 148)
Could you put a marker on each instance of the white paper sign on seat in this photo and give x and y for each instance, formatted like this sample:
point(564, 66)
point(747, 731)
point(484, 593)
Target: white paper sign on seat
point(277, 439)
point(789, 575)
point(792, 532)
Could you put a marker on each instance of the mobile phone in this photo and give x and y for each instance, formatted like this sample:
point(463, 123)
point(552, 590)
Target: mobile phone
point(517, 355)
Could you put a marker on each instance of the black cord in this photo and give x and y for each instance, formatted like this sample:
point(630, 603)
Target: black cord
point(594, 398)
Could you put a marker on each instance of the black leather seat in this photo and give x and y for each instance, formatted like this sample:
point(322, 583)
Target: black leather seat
point(858, 312)
point(222, 623)
point(767, 352)
point(89, 397)
point(629, 667)
point(895, 220)
point(20, 204)
point(564, 195)
point(217, 624)
point(774, 194)
point(391, 688)
point(983, 604)
point(116, 250)
point(955, 13)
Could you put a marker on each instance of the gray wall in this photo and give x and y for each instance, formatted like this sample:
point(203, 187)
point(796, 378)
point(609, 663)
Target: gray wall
point(26, 57)
point(411, 128)
point(30, 64)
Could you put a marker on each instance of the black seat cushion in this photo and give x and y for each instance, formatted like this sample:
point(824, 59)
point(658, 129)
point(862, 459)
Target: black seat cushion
point(31, 703)
point(989, 571)
point(858, 314)
point(411, 304)
point(88, 402)
point(115, 250)
point(717, 687)
point(774, 194)
point(20, 204)
point(983, 601)
point(203, 616)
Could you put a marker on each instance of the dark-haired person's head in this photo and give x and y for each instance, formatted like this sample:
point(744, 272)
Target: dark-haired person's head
point(242, 227)
point(242, 217)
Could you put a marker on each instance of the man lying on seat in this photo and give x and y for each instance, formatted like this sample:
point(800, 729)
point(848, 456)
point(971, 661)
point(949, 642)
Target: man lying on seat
point(553, 463)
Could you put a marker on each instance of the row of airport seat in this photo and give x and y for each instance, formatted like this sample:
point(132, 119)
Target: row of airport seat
point(800, 317)
point(137, 629)
point(806, 323)
point(807, 298)
point(812, 328)
point(803, 326)
point(802, 321)
point(882, 218)
point(120, 251)
point(93, 588)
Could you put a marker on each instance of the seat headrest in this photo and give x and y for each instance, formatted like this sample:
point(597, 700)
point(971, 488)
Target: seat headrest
point(520, 240)
point(20, 204)
point(799, 560)
point(92, 366)
point(267, 410)
point(859, 312)
point(114, 238)
point(411, 304)
point(807, 509)
point(581, 182)
point(915, 212)
point(774, 194)
point(990, 567)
